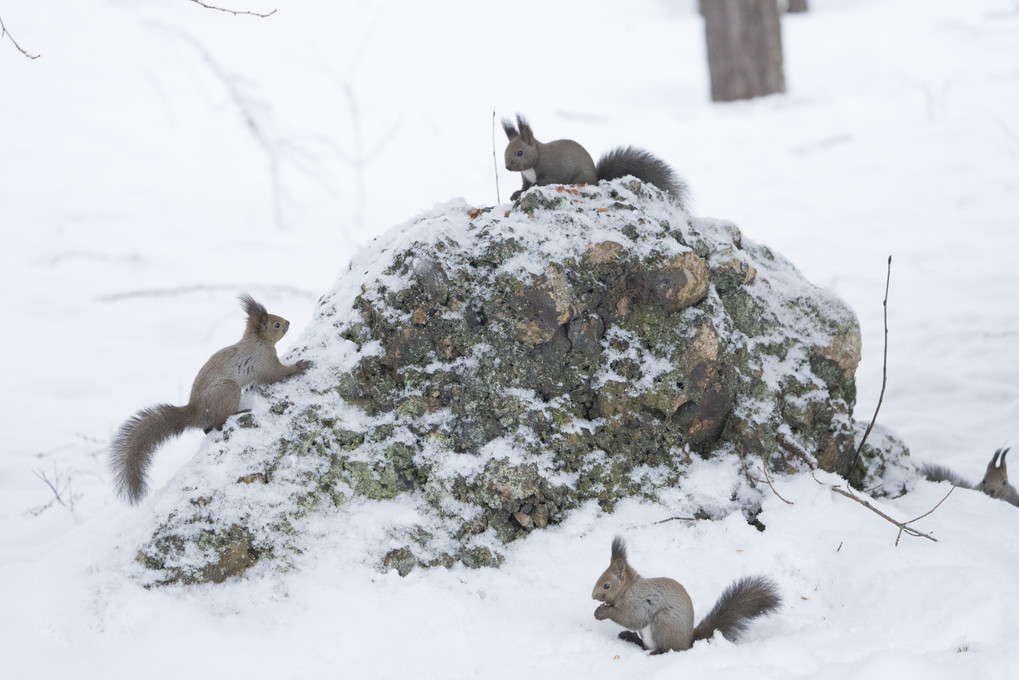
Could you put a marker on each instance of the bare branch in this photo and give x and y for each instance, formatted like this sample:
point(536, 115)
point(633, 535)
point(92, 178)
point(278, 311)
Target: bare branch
point(764, 468)
point(672, 519)
point(884, 374)
point(793, 448)
point(62, 492)
point(4, 31)
point(234, 12)
point(495, 162)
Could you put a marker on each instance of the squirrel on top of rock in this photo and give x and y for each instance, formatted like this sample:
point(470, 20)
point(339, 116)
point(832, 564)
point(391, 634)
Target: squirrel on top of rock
point(994, 484)
point(658, 612)
point(215, 396)
point(564, 161)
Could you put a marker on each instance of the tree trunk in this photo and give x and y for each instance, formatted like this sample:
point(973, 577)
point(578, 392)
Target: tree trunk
point(796, 6)
point(744, 48)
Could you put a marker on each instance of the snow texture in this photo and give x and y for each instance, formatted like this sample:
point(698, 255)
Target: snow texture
point(159, 159)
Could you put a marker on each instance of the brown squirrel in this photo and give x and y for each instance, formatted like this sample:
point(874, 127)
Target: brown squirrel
point(661, 612)
point(215, 396)
point(994, 484)
point(564, 161)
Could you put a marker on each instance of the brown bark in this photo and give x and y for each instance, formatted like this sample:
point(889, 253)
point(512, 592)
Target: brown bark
point(744, 40)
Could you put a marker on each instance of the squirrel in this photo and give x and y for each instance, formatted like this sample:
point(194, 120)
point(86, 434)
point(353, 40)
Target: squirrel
point(661, 612)
point(564, 161)
point(215, 396)
point(994, 484)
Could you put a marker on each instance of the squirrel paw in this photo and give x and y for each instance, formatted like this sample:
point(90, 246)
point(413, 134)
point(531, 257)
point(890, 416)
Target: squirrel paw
point(631, 636)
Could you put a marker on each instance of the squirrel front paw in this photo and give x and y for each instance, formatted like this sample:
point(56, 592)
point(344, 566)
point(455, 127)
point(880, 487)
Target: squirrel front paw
point(602, 611)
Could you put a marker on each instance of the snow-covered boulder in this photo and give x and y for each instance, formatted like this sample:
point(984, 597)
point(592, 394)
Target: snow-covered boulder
point(478, 373)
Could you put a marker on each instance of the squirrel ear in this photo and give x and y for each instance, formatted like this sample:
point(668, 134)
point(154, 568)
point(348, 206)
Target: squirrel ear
point(507, 127)
point(1004, 470)
point(525, 129)
point(994, 461)
point(618, 549)
point(257, 313)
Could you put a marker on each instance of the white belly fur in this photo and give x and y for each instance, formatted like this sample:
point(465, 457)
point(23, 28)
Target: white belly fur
point(645, 635)
point(530, 175)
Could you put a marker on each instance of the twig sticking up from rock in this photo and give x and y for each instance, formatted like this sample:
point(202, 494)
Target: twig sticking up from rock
point(232, 11)
point(495, 162)
point(884, 374)
point(904, 527)
point(4, 31)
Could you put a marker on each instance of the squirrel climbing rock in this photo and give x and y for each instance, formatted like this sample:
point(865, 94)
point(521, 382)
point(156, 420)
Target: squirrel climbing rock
point(658, 612)
point(564, 161)
point(215, 396)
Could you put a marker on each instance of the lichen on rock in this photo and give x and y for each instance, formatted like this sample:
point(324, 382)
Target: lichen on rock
point(486, 371)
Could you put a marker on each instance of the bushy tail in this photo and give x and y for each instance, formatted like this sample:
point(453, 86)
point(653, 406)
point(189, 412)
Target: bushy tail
point(644, 166)
point(131, 450)
point(741, 603)
point(939, 473)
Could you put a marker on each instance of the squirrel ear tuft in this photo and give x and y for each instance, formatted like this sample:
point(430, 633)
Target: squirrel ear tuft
point(618, 549)
point(256, 311)
point(525, 129)
point(507, 127)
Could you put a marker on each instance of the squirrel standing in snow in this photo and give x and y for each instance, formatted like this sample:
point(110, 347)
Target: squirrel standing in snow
point(215, 396)
point(564, 161)
point(661, 612)
point(994, 484)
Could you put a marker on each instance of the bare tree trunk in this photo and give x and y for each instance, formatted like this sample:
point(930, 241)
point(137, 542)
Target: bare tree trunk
point(744, 48)
point(797, 6)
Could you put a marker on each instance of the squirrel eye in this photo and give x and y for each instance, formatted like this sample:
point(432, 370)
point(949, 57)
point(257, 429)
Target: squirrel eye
point(520, 152)
point(277, 324)
point(606, 586)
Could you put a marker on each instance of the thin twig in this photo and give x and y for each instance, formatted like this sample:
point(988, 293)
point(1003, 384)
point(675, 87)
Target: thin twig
point(670, 519)
point(495, 162)
point(904, 527)
point(234, 12)
point(4, 31)
point(764, 468)
point(884, 374)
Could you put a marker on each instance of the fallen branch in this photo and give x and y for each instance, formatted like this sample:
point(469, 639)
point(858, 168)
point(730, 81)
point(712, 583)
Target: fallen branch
point(904, 527)
point(234, 12)
point(5, 32)
point(672, 519)
point(884, 374)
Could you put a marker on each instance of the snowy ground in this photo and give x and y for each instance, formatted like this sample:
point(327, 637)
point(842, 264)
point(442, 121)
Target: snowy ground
point(158, 159)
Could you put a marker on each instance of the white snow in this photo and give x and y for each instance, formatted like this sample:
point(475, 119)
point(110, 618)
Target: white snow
point(160, 158)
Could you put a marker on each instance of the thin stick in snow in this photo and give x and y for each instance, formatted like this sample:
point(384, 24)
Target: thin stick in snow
point(4, 31)
point(495, 162)
point(884, 374)
point(234, 12)
point(904, 527)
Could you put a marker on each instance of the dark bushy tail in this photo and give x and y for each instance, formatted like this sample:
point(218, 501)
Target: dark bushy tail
point(939, 473)
point(131, 450)
point(629, 160)
point(741, 603)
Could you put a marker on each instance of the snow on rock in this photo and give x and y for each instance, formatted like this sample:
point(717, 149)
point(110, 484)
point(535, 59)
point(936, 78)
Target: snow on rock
point(480, 373)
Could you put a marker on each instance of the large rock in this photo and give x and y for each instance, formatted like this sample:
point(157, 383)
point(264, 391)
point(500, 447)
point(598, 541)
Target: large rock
point(485, 371)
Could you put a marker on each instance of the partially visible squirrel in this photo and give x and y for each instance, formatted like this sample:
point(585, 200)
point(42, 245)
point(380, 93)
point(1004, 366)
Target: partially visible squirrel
point(564, 161)
point(215, 396)
point(660, 610)
point(994, 484)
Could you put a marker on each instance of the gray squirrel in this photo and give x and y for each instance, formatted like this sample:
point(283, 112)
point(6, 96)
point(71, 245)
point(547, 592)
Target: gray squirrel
point(564, 161)
point(215, 396)
point(994, 484)
point(658, 612)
